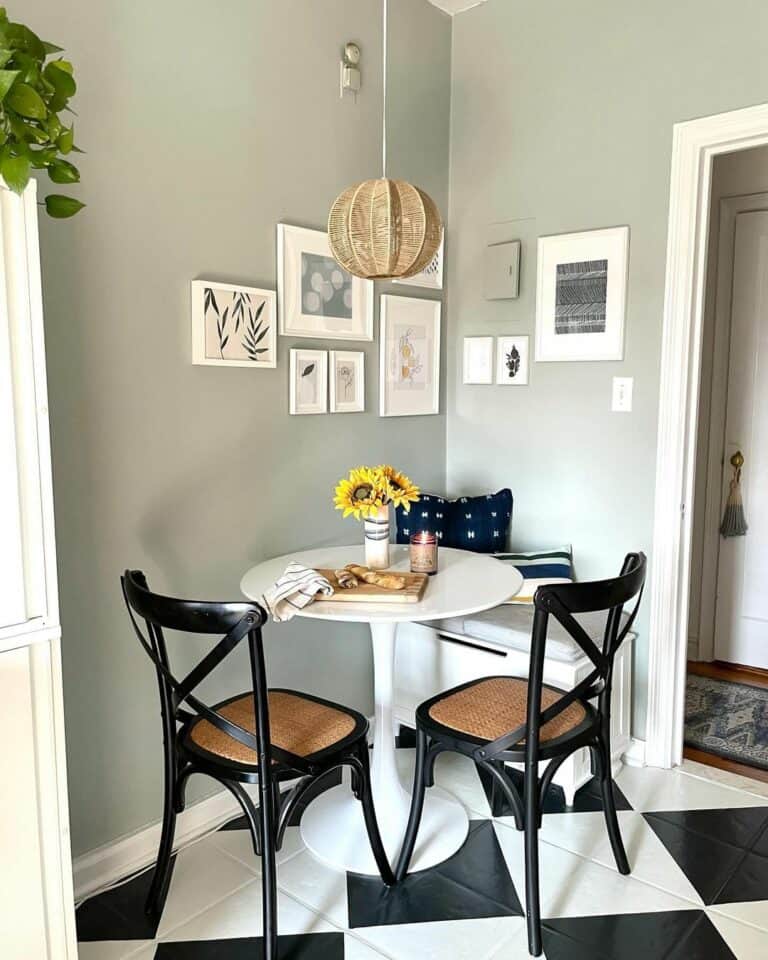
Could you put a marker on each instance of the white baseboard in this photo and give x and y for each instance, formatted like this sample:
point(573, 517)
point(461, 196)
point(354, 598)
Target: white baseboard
point(121, 858)
point(634, 755)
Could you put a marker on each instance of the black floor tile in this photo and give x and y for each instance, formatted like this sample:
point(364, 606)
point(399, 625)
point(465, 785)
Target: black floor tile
point(313, 946)
point(472, 884)
point(673, 935)
point(118, 914)
point(587, 799)
point(406, 738)
point(720, 851)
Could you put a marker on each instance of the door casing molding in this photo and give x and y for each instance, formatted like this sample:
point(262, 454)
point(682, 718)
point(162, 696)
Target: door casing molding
point(695, 144)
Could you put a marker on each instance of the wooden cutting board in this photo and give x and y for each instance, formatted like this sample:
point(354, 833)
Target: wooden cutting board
point(415, 584)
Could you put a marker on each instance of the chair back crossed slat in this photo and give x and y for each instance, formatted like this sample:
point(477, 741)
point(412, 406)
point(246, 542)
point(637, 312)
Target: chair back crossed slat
point(561, 601)
point(240, 620)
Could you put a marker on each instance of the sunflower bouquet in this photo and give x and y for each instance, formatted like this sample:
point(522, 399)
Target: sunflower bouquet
point(366, 490)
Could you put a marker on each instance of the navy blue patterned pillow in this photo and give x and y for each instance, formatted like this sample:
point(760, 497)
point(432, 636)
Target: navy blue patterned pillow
point(480, 523)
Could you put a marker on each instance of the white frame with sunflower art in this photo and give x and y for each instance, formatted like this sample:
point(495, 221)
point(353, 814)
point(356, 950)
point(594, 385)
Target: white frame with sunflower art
point(503, 344)
point(292, 244)
point(297, 406)
point(356, 360)
point(404, 317)
point(432, 275)
point(255, 332)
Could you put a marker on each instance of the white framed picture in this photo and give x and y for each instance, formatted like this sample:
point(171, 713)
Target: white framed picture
point(308, 382)
point(233, 326)
point(581, 295)
point(316, 297)
point(512, 361)
point(432, 275)
point(409, 376)
point(347, 381)
point(478, 359)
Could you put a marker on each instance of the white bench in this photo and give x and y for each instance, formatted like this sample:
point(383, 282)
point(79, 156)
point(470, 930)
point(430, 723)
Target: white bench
point(433, 657)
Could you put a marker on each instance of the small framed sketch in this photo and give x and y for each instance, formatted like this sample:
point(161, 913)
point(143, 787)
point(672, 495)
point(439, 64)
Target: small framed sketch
point(581, 296)
point(512, 361)
point(478, 359)
point(409, 380)
point(308, 382)
point(233, 326)
point(347, 381)
point(432, 275)
point(316, 297)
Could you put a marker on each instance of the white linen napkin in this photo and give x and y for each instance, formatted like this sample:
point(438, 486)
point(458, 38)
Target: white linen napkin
point(293, 590)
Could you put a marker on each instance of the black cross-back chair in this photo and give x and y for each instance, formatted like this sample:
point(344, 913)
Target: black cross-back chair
point(498, 719)
point(264, 737)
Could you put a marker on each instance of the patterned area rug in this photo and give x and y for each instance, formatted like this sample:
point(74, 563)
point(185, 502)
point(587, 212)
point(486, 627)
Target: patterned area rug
point(728, 719)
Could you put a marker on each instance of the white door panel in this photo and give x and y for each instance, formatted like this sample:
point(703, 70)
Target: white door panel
point(741, 630)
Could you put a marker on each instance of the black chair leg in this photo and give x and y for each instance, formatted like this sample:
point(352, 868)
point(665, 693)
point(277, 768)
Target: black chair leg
point(161, 879)
point(268, 870)
point(371, 823)
point(532, 820)
point(417, 807)
point(603, 752)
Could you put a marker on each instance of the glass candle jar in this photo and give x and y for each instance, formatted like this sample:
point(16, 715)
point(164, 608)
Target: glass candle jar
point(424, 552)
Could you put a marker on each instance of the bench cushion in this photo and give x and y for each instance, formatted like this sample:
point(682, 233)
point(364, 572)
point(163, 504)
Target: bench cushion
point(510, 626)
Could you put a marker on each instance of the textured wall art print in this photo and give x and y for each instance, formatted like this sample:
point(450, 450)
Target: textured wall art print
point(409, 381)
point(233, 325)
point(316, 297)
point(581, 295)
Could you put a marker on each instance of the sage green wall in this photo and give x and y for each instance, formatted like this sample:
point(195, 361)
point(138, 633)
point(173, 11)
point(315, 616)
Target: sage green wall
point(205, 124)
point(562, 113)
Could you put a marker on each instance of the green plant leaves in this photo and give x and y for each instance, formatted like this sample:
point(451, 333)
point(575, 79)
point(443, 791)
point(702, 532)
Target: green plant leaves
point(15, 171)
point(60, 171)
point(66, 140)
point(26, 101)
point(62, 207)
point(7, 78)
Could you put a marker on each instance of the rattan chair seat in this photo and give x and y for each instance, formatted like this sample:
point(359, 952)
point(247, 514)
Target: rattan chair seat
point(298, 724)
point(492, 707)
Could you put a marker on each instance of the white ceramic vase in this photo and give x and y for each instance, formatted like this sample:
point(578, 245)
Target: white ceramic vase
point(377, 539)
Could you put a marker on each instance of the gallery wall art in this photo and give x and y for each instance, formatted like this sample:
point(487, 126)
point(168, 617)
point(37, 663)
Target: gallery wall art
point(478, 360)
point(233, 326)
point(431, 276)
point(409, 376)
point(512, 361)
point(317, 297)
point(581, 296)
point(347, 381)
point(308, 382)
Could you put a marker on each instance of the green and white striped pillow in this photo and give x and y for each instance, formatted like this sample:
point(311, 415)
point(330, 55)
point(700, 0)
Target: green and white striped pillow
point(539, 567)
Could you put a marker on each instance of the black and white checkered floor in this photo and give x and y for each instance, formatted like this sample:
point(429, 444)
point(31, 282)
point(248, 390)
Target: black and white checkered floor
point(696, 839)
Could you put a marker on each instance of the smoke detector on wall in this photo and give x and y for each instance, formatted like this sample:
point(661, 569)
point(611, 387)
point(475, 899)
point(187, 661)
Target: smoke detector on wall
point(456, 6)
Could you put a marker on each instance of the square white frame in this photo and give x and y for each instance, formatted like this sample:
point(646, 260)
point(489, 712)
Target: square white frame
point(431, 281)
point(394, 310)
point(524, 346)
point(291, 243)
point(197, 289)
point(321, 358)
point(358, 359)
point(478, 360)
point(611, 244)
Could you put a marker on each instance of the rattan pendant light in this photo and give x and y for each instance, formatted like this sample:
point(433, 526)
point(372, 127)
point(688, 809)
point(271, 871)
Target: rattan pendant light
point(384, 229)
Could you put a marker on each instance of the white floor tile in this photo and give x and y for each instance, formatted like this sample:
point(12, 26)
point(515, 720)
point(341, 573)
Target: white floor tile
point(318, 886)
point(453, 773)
point(239, 915)
point(649, 788)
point(237, 844)
point(572, 886)
point(754, 913)
point(725, 778)
point(746, 942)
point(202, 876)
point(355, 949)
point(117, 950)
point(446, 940)
point(586, 835)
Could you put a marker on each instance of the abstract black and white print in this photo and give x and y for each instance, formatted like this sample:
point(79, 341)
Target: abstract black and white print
point(580, 297)
point(326, 289)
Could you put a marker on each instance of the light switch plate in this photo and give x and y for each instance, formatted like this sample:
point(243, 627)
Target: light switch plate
point(501, 271)
point(622, 394)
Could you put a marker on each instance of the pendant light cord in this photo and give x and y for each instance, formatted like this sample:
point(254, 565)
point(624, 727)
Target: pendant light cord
point(384, 96)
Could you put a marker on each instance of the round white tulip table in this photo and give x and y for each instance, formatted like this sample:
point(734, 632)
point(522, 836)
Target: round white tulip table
point(332, 826)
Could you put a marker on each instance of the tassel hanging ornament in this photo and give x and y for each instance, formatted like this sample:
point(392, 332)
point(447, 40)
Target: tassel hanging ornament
point(734, 522)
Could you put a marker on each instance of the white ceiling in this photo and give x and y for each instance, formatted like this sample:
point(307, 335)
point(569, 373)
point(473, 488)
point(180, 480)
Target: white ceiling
point(456, 6)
